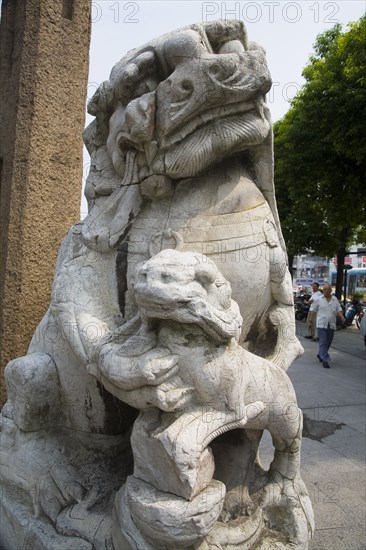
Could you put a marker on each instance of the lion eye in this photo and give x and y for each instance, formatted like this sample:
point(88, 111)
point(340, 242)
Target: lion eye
point(187, 86)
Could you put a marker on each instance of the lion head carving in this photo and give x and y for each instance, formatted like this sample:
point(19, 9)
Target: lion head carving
point(180, 103)
point(187, 287)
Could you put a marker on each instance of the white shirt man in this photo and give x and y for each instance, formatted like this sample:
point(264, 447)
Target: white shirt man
point(327, 312)
point(315, 295)
point(312, 315)
point(327, 308)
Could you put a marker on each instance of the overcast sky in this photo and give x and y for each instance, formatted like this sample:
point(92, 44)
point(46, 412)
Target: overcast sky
point(287, 30)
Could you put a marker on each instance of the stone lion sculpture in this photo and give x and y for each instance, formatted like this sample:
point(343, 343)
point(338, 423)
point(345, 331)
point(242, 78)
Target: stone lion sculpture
point(186, 358)
point(181, 158)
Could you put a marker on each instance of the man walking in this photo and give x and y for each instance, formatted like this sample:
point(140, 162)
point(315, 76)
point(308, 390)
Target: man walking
point(327, 308)
point(312, 314)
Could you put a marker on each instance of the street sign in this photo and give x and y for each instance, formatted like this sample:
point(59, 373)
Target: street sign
point(309, 281)
point(347, 260)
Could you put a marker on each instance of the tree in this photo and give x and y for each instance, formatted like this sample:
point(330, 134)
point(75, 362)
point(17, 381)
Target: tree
point(320, 150)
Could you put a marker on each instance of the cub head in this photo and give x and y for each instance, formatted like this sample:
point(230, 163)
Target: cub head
point(186, 287)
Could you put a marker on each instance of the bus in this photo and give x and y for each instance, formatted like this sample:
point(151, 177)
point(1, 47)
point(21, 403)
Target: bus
point(356, 281)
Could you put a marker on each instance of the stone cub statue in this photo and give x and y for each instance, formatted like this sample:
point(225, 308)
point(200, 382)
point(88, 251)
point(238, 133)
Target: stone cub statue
point(184, 358)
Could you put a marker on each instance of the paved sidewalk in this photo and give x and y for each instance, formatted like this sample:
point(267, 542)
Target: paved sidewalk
point(333, 451)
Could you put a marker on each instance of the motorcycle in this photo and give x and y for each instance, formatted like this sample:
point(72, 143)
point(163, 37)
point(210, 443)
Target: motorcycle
point(301, 310)
point(355, 312)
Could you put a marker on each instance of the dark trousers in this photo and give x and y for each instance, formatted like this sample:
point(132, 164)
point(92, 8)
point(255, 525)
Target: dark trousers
point(325, 339)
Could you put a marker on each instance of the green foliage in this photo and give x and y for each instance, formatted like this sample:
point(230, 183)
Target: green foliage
point(320, 148)
point(358, 295)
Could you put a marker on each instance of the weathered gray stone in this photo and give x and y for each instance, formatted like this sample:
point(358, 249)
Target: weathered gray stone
point(171, 298)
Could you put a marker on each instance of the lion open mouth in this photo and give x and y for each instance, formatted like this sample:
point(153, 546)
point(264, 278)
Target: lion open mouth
point(253, 109)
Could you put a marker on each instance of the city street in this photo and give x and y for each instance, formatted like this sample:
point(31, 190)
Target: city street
point(334, 442)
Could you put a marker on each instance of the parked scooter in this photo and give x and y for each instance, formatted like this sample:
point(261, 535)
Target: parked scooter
point(301, 310)
point(354, 312)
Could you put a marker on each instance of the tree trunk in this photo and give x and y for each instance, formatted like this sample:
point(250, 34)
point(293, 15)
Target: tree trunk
point(341, 254)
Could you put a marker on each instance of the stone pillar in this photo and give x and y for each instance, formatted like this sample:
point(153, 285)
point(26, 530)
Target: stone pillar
point(44, 50)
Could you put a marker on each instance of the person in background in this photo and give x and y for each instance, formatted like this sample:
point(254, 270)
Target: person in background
point(327, 308)
point(311, 319)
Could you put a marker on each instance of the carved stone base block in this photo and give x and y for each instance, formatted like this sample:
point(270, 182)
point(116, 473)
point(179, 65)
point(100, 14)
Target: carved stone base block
point(152, 519)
